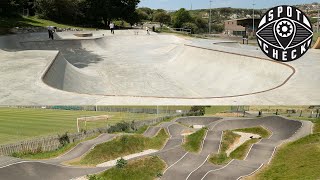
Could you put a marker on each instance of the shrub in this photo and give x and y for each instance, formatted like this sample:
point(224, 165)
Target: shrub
point(121, 163)
point(159, 175)
point(122, 127)
point(64, 139)
point(194, 28)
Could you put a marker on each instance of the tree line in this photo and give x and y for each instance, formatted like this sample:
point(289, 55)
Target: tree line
point(82, 12)
point(99, 13)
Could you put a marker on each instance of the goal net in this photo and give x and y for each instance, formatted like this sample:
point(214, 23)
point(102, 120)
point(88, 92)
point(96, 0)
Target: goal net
point(84, 120)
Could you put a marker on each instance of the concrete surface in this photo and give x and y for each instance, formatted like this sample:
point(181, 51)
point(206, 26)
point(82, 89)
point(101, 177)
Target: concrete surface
point(180, 164)
point(127, 69)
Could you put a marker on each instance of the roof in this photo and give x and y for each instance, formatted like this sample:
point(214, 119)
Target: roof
point(241, 19)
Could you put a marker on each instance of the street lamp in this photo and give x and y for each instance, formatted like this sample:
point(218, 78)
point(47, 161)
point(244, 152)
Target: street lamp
point(253, 29)
point(210, 18)
point(318, 18)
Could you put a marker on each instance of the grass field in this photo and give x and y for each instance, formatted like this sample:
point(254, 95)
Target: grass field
point(217, 109)
point(22, 124)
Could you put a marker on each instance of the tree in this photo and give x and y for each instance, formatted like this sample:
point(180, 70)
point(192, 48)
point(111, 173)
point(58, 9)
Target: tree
point(11, 8)
point(134, 18)
point(194, 28)
point(180, 17)
point(162, 18)
point(59, 10)
point(142, 15)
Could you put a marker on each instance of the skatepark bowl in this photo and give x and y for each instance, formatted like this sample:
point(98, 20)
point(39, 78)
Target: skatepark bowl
point(181, 165)
point(158, 66)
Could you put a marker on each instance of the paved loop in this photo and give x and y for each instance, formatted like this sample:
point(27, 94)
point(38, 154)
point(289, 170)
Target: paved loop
point(40, 171)
point(181, 164)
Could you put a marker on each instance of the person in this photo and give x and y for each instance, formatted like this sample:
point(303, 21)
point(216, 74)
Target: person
point(51, 30)
point(148, 32)
point(111, 27)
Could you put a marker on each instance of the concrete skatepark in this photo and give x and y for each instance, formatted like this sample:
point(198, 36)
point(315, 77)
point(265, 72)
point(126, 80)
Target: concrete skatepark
point(142, 69)
point(180, 164)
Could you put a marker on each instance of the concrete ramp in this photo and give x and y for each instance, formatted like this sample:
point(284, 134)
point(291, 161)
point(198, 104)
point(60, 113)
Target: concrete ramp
point(220, 71)
point(159, 69)
point(317, 44)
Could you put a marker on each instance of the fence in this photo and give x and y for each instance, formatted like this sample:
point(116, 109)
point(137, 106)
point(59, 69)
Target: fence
point(147, 110)
point(182, 30)
point(52, 143)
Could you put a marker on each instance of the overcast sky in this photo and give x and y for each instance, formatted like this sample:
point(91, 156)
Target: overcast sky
point(202, 4)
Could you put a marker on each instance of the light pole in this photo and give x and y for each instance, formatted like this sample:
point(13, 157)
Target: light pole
point(318, 18)
point(253, 29)
point(210, 18)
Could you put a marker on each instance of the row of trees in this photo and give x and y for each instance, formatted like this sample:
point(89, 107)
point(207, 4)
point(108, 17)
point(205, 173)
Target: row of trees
point(179, 19)
point(98, 13)
point(85, 12)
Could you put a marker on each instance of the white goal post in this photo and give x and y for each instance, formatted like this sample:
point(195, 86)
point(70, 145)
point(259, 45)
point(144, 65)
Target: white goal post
point(91, 118)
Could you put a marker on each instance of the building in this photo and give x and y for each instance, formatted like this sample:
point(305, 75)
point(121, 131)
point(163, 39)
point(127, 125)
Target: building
point(240, 27)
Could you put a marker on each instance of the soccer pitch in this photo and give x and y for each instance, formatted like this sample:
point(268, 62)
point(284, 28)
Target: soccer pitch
point(22, 124)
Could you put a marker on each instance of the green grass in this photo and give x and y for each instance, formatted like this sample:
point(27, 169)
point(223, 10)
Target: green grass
point(228, 139)
point(33, 21)
point(143, 169)
point(193, 141)
point(219, 159)
point(123, 146)
point(298, 160)
point(50, 154)
point(22, 124)
point(217, 109)
point(255, 130)
point(142, 129)
point(241, 152)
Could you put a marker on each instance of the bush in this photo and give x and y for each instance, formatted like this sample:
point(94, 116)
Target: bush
point(121, 163)
point(194, 28)
point(64, 139)
point(159, 175)
point(122, 127)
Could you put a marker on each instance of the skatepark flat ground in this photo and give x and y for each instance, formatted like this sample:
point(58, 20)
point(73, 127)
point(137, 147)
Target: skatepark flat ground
point(126, 69)
point(180, 164)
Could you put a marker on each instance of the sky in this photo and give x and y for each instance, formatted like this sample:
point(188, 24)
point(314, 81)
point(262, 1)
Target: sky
point(202, 4)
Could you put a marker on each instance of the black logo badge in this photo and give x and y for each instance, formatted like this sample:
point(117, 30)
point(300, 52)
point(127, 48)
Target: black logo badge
point(284, 33)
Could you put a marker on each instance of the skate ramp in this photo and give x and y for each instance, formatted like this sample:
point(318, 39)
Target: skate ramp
point(63, 75)
point(150, 70)
point(158, 66)
point(317, 44)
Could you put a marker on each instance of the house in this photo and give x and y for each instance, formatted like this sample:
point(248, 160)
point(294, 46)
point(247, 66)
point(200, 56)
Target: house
point(240, 27)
